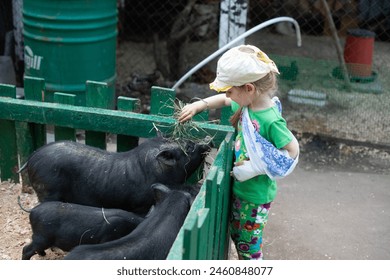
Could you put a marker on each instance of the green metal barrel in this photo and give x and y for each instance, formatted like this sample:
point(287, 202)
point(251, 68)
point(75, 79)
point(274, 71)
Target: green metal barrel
point(68, 42)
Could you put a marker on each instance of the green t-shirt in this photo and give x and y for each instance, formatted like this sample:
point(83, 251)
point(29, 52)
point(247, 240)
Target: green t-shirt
point(260, 189)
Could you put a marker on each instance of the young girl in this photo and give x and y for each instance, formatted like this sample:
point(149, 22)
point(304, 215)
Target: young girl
point(264, 147)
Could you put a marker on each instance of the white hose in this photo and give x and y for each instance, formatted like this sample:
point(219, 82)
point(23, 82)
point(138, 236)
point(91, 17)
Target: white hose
point(247, 33)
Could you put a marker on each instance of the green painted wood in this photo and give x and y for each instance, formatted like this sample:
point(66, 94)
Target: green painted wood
point(224, 217)
point(64, 133)
point(85, 118)
point(24, 142)
point(211, 195)
point(128, 104)
point(190, 240)
point(162, 101)
point(176, 252)
point(203, 234)
point(226, 196)
point(8, 151)
point(7, 90)
point(218, 214)
point(34, 89)
point(98, 95)
point(125, 142)
point(30, 135)
point(8, 147)
point(202, 117)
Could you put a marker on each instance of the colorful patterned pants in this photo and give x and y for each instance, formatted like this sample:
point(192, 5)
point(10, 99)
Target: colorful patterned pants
point(246, 228)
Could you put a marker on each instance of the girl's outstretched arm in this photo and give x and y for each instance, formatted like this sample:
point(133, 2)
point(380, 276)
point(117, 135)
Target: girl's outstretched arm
point(212, 102)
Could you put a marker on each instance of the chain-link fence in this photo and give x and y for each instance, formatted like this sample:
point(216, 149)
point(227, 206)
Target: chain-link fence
point(337, 83)
point(341, 39)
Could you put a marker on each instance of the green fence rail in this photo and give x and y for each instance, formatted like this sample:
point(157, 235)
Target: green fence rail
point(23, 125)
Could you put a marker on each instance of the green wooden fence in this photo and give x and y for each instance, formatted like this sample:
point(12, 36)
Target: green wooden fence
point(23, 129)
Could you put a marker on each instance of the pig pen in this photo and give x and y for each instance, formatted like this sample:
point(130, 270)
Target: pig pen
point(207, 220)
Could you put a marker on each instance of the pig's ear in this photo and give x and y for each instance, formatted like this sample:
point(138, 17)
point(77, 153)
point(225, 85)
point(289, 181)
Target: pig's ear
point(166, 157)
point(160, 191)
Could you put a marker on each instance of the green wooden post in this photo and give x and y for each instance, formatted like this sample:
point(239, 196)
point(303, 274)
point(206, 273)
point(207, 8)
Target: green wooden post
point(214, 202)
point(211, 193)
point(202, 116)
point(224, 217)
point(203, 234)
point(125, 142)
point(226, 195)
point(34, 89)
point(98, 95)
point(162, 101)
point(30, 136)
point(8, 146)
point(60, 132)
point(190, 240)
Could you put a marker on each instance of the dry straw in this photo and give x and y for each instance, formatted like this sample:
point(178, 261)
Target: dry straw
point(184, 131)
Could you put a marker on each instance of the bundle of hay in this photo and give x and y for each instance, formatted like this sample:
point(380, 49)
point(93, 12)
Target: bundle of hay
point(185, 131)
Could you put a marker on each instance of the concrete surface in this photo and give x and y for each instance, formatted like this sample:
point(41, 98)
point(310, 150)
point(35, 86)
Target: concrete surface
point(321, 215)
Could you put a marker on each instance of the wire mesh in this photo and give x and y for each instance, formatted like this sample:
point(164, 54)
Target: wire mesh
point(357, 110)
point(159, 41)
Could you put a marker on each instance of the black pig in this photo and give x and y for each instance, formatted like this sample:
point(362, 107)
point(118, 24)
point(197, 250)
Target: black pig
point(73, 172)
point(66, 225)
point(152, 239)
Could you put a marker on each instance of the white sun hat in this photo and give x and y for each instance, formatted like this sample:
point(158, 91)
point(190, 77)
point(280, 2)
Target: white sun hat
point(241, 65)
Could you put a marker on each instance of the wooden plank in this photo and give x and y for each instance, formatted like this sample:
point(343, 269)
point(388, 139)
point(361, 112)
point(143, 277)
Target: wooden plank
point(125, 142)
point(203, 234)
point(201, 117)
point(98, 95)
point(7, 90)
point(8, 151)
point(8, 147)
point(190, 240)
point(224, 217)
point(34, 89)
point(223, 197)
point(176, 252)
point(218, 214)
point(210, 199)
point(24, 142)
point(64, 133)
point(162, 101)
point(117, 122)
point(226, 196)
point(30, 135)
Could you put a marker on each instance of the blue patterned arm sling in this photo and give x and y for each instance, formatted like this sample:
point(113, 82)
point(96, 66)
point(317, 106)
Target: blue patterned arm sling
point(265, 158)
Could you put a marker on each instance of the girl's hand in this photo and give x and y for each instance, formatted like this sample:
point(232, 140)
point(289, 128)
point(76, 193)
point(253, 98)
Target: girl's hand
point(191, 110)
point(212, 102)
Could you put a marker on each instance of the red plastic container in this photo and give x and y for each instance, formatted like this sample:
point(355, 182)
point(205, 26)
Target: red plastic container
point(358, 52)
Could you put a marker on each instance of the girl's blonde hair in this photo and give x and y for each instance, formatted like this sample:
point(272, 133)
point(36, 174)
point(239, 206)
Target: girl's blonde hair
point(266, 85)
